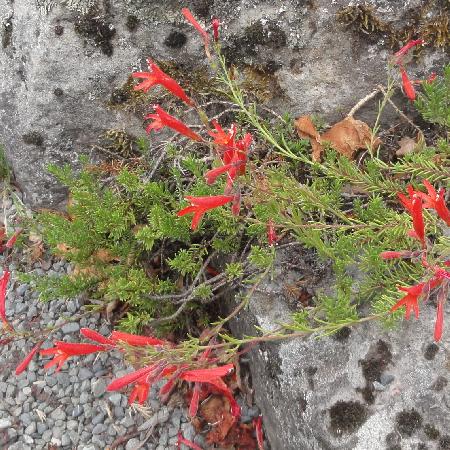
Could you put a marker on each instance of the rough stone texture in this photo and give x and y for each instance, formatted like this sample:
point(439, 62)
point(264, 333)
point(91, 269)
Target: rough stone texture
point(62, 62)
point(367, 390)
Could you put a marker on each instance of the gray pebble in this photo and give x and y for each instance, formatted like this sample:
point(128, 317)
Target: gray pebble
point(58, 414)
point(20, 291)
point(115, 399)
point(378, 386)
point(30, 429)
point(77, 411)
point(98, 419)
point(65, 440)
point(163, 415)
point(85, 374)
point(84, 398)
point(386, 379)
point(71, 327)
point(119, 412)
point(99, 387)
point(41, 427)
point(5, 423)
point(99, 428)
point(132, 444)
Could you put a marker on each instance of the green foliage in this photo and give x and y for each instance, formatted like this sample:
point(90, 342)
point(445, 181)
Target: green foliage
point(434, 102)
point(5, 172)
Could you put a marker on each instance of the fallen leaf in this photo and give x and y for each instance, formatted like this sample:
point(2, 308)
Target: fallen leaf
point(350, 135)
point(63, 248)
point(306, 129)
point(105, 256)
point(346, 137)
point(216, 412)
point(409, 145)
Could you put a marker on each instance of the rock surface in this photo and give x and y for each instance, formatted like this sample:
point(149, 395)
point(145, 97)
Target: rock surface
point(65, 64)
point(365, 388)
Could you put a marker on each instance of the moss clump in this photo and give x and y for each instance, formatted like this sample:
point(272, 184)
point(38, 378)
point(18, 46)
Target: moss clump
point(59, 30)
point(408, 422)
point(58, 92)
point(33, 138)
point(97, 31)
point(118, 142)
point(429, 22)
point(430, 351)
point(431, 432)
point(132, 23)
point(343, 334)
point(126, 98)
point(201, 8)
point(376, 361)
point(7, 31)
point(444, 443)
point(347, 417)
point(439, 384)
point(176, 39)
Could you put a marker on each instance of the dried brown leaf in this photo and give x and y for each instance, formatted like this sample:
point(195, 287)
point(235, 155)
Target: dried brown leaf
point(306, 129)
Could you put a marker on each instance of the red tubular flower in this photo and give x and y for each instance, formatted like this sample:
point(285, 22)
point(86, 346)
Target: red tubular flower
point(407, 201)
point(272, 237)
point(222, 138)
point(140, 391)
point(410, 301)
point(205, 36)
point(187, 442)
point(259, 432)
point(13, 238)
point(441, 208)
point(3, 284)
point(417, 217)
point(64, 350)
point(236, 205)
point(215, 26)
point(431, 77)
point(163, 119)
point(96, 337)
point(121, 382)
point(405, 49)
point(200, 205)
point(24, 364)
point(157, 76)
point(205, 375)
point(408, 87)
point(439, 325)
point(395, 255)
point(135, 340)
point(193, 406)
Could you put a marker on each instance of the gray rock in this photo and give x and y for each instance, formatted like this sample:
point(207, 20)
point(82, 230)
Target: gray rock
point(132, 444)
point(20, 291)
point(99, 428)
point(386, 379)
point(163, 415)
point(115, 399)
point(119, 412)
point(30, 429)
point(77, 411)
point(58, 414)
point(84, 398)
point(150, 423)
point(98, 419)
point(71, 327)
point(5, 423)
point(99, 387)
point(65, 440)
point(47, 115)
point(84, 374)
point(310, 390)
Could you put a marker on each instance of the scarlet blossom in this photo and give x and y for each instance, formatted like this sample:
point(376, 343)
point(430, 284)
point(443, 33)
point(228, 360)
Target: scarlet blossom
point(200, 205)
point(259, 432)
point(135, 340)
point(215, 26)
point(12, 240)
point(187, 442)
point(405, 49)
point(222, 138)
point(157, 76)
point(163, 119)
point(24, 364)
point(140, 391)
point(431, 77)
point(96, 337)
point(407, 201)
point(417, 217)
point(435, 200)
point(236, 205)
point(408, 87)
point(3, 284)
point(272, 237)
point(64, 350)
point(396, 255)
point(439, 325)
point(205, 36)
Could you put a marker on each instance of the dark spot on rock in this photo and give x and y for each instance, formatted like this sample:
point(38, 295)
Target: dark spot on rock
point(58, 92)
point(367, 394)
point(310, 372)
point(408, 422)
point(33, 138)
point(132, 23)
point(422, 446)
point(176, 39)
point(269, 35)
point(393, 441)
point(7, 30)
point(343, 334)
point(430, 351)
point(394, 447)
point(119, 96)
point(202, 8)
point(439, 384)
point(302, 402)
point(377, 359)
point(97, 31)
point(59, 30)
point(272, 66)
point(431, 431)
point(444, 443)
point(347, 417)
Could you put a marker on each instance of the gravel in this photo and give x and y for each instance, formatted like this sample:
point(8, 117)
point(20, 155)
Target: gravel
point(71, 409)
